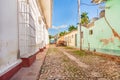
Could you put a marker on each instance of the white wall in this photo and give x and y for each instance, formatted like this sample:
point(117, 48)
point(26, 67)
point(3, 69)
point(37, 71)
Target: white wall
point(42, 34)
point(32, 30)
point(46, 37)
point(8, 34)
point(19, 31)
point(27, 28)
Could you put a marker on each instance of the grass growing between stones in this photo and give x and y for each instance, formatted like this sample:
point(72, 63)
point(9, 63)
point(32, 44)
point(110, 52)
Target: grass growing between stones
point(69, 47)
point(77, 52)
point(80, 53)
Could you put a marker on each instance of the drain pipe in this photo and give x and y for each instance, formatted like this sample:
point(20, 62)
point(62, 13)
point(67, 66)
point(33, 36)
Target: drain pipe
point(18, 53)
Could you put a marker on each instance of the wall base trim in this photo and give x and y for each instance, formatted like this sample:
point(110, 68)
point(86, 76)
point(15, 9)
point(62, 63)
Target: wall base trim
point(7, 75)
point(41, 50)
point(45, 47)
point(27, 62)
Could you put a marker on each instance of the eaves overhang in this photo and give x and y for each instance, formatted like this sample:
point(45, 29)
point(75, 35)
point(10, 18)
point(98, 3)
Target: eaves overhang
point(45, 7)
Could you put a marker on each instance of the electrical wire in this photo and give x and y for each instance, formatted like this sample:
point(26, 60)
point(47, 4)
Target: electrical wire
point(89, 4)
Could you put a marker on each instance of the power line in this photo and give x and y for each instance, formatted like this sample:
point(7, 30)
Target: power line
point(89, 4)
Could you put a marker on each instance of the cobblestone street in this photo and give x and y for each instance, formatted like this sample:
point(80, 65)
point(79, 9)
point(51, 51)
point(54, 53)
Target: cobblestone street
point(66, 64)
point(59, 40)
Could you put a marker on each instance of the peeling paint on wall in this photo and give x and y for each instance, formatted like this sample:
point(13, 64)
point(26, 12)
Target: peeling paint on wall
point(119, 46)
point(107, 41)
point(106, 31)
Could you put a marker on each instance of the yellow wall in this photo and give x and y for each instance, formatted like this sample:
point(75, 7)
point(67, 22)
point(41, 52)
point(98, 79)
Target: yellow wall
point(70, 39)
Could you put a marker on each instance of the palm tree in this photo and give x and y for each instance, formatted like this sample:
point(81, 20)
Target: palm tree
point(71, 28)
point(84, 19)
point(50, 36)
point(62, 33)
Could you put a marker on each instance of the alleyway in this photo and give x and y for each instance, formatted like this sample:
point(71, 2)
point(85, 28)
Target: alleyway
point(70, 64)
point(28, 27)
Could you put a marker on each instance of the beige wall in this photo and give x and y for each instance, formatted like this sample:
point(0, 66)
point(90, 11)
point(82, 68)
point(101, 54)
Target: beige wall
point(70, 38)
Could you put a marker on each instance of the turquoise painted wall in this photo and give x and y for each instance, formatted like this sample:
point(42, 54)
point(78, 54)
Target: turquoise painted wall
point(103, 39)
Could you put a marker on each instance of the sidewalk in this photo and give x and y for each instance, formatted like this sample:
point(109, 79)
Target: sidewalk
point(32, 72)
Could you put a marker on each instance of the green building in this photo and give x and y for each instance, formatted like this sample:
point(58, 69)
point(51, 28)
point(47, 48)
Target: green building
point(104, 35)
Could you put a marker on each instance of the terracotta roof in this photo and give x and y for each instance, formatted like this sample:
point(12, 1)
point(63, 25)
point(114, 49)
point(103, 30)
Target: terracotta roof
point(102, 14)
point(98, 1)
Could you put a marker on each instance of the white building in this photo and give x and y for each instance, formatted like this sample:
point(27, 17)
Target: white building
point(23, 31)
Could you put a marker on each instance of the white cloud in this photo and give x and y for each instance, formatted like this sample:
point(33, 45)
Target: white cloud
point(59, 27)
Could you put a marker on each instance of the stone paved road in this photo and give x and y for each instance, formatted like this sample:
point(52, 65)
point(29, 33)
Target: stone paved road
point(58, 66)
point(98, 66)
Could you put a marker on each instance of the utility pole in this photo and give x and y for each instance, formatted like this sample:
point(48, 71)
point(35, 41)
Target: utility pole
point(79, 25)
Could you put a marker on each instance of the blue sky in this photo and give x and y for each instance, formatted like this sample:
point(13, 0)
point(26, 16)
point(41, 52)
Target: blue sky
point(65, 13)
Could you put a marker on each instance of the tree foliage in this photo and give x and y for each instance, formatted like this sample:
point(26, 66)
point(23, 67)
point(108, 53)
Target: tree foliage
point(62, 33)
point(71, 28)
point(84, 18)
point(50, 36)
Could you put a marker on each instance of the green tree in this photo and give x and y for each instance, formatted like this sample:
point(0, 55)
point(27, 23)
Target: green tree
point(71, 28)
point(62, 33)
point(84, 19)
point(50, 36)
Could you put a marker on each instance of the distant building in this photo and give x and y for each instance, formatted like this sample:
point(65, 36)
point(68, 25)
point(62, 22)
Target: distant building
point(70, 39)
point(52, 41)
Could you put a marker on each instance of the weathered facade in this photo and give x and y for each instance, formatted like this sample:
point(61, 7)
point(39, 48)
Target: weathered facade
point(23, 31)
point(70, 39)
point(104, 35)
